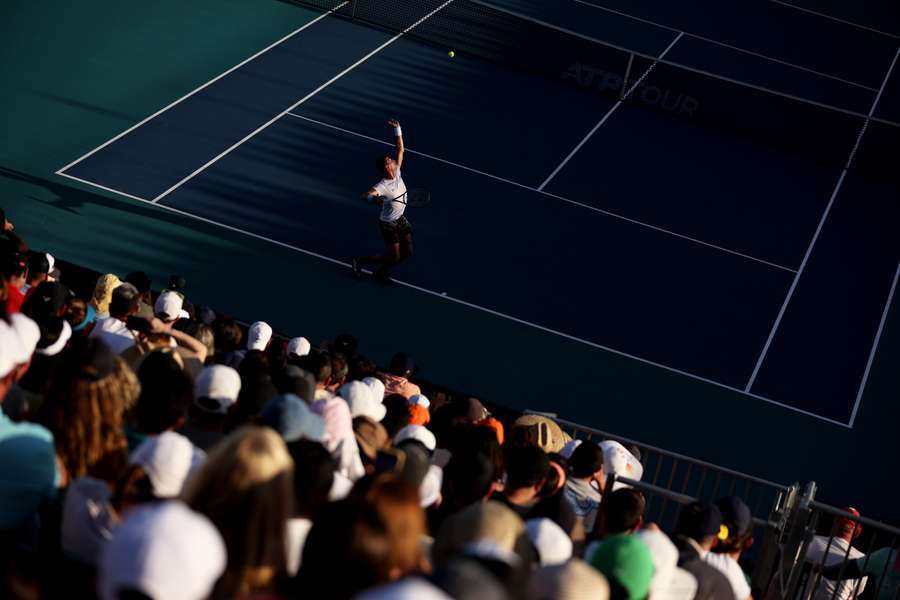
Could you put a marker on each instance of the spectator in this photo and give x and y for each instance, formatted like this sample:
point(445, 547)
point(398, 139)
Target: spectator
point(257, 389)
point(113, 329)
point(297, 347)
point(362, 401)
point(371, 437)
point(319, 365)
point(738, 521)
point(258, 337)
point(162, 551)
point(38, 270)
point(28, 468)
point(573, 580)
point(360, 368)
point(345, 345)
point(46, 300)
point(396, 380)
point(527, 468)
point(85, 408)
point(216, 391)
point(669, 582)
point(313, 477)
point(162, 336)
point(292, 418)
point(621, 512)
point(396, 414)
point(626, 563)
point(833, 550)
point(468, 478)
point(882, 565)
point(14, 271)
point(141, 281)
point(166, 393)
point(586, 479)
point(339, 370)
point(103, 294)
point(696, 532)
point(169, 307)
point(49, 353)
point(246, 489)
point(228, 337)
point(418, 410)
point(553, 545)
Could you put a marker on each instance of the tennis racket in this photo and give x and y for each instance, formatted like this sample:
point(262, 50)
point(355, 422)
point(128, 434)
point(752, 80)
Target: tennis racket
point(413, 197)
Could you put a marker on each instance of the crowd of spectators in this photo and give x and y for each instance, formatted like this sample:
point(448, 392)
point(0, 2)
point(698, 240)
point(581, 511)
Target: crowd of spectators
point(150, 448)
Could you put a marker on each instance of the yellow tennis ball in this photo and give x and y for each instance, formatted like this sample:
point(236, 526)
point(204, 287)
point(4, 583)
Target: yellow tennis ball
point(451, 54)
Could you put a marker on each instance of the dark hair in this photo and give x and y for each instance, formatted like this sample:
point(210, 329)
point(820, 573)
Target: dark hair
point(360, 367)
point(227, 334)
point(526, 466)
point(338, 368)
point(318, 363)
point(176, 283)
point(313, 476)
point(467, 478)
point(380, 164)
point(140, 280)
point(621, 510)
point(124, 300)
point(166, 393)
point(346, 344)
point(37, 264)
point(397, 414)
point(586, 460)
point(402, 365)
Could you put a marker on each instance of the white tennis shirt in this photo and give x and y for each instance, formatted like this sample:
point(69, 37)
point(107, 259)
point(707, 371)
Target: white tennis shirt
point(390, 189)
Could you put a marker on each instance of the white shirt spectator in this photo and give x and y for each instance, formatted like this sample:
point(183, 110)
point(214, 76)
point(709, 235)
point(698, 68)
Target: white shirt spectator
point(114, 334)
point(732, 570)
point(836, 553)
point(390, 189)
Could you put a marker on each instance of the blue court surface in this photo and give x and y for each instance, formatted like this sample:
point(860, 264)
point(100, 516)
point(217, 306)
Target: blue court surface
point(735, 260)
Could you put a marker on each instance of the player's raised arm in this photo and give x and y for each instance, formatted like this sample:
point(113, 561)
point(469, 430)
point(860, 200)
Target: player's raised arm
point(399, 135)
point(372, 196)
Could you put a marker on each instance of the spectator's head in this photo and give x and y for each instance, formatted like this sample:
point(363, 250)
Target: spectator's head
point(169, 307)
point(177, 283)
point(319, 365)
point(586, 463)
point(294, 380)
point(19, 336)
point(738, 520)
point(167, 459)
point(371, 437)
point(124, 302)
point(468, 478)
point(339, 371)
point(14, 265)
point(621, 511)
point(313, 476)
point(402, 365)
point(48, 300)
point(486, 529)
point(570, 581)
point(79, 314)
point(345, 345)
point(204, 334)
point(142, 282)
point(103, 292)
point(85, 407)
point(418, 434)
point(362, 401)
point(359, 368)
point(55, 334)
point(847, 528)
point(556, 476)
point(667, 577)
point(701, 522)
point(166, 394)
point(228, 334)
point(397, 504)
point(297, 347)
point(292, 418)
point(246, 489)
point(216, 390)
point(38, 267)
point(626, 563)
point(553, 545)
point(162, 551)
point(258, 336)
point(526, 471)
point(396, 414)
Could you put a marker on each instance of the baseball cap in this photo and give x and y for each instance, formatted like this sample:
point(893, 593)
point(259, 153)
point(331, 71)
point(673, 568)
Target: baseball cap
point(625, 560)
point(259, 335)
point(217, 388)
point(617, 459)
point(292, 418)
point(55, 334)
point(481, 529)
point(418, 415)
point(18, 339)
point(419, 400)
point(411, 588)
point(168, 306)
point(665, 561)
point(736, 515)
point(377, 387)
point(299, 346)
point(361, 401)
point(371, 436)
point(164, 550)
point(699, 520)
point(574, 580)
point(402, 364)
point(168, 459)
point(48, 299)
point(553, 545)
point(417, 433)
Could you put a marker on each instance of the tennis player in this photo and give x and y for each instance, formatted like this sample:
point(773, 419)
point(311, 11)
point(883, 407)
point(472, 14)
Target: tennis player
point(390, 194)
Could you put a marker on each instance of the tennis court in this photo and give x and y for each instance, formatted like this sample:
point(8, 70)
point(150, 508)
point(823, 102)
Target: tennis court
point(747, 256)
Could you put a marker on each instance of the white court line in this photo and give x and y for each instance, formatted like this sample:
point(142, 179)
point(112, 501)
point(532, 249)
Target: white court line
point(609, 113)
point(812, 243)
point(298, 103)
point(884, 314)
point(839, 20)
point(551, 195)
point(790, 293)
point(725, 45)
point(469, 305)
point(202, 87)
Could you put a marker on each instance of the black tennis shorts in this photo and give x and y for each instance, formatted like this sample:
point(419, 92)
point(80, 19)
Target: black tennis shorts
point(392, 232)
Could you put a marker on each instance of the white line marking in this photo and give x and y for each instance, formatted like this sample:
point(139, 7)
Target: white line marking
point(609, 113)
point(790, 293)
point(839, 20)
point(472, 305)
point(872, 110)
point(189, 94)
point(884, 314)
point(299, 102)
point(725, 45)
point(549, 194)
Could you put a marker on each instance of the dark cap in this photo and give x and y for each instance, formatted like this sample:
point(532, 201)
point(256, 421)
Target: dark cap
point(48, 300)
point(402, 364)
point(699, 520)
point(735, 515)
point(37, 263)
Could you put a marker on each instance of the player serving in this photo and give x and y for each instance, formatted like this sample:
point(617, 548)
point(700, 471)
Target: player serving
point(389, 193)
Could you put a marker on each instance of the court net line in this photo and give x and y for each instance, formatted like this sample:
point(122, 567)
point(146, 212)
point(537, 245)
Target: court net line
point(466, 303)
point(551, 195)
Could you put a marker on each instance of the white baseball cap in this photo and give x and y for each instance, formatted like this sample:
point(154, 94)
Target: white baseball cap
point(617, 459)
point(418, 433)
point(164, 550)
point(218, 383)
point(362, 401)
point(419, 400)
point(554, 546)
point(377, 387)
point(168, 306)
point(168, 459)
point(259, 335)
point(18, 339)
point(299, 346)
point(668, 580)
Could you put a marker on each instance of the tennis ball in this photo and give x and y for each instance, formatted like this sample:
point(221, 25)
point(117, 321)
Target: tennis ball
point(451, 54)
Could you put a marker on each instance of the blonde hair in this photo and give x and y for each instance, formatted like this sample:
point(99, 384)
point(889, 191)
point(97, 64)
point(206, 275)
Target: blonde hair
point(246, 489)
point(103, 292)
